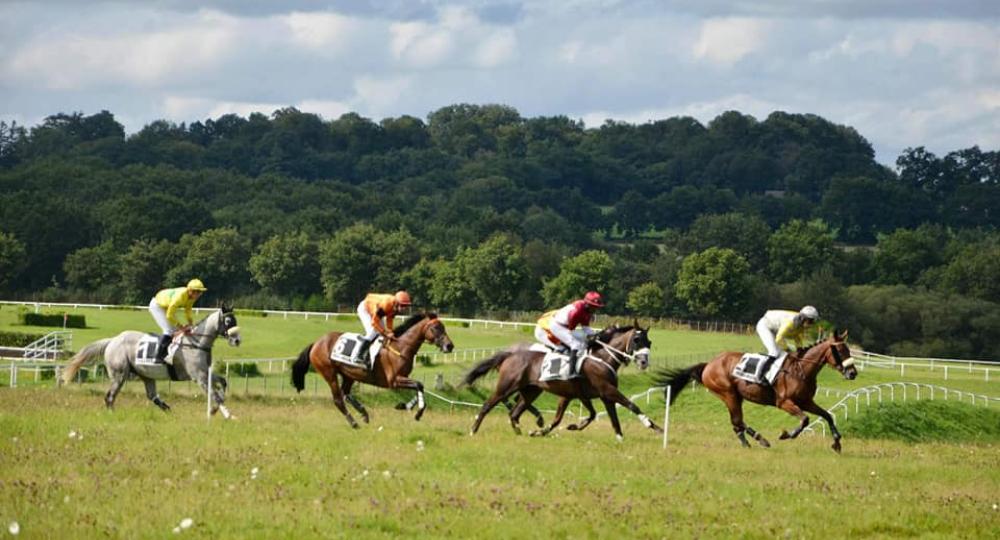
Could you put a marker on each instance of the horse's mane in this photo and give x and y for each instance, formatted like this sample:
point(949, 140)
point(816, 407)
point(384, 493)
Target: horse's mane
point(408, 323)
point(612, 331)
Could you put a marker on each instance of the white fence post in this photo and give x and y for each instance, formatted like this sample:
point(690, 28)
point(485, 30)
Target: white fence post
point(666, 417)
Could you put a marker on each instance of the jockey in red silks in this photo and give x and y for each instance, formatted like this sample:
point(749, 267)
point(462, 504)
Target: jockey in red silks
point(373, 310)
point(569, 326)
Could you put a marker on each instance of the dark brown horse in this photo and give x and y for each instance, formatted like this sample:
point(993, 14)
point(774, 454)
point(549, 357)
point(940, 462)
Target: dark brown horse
point(390, 370)
point(793, 391)
point(520, 368)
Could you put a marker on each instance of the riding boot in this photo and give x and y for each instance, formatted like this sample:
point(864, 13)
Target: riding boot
point(764, 369)
point(161, 349)
point(572, 363)
point(363, 350)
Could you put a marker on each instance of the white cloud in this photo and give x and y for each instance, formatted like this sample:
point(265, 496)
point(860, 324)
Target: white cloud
point(419, 44)
point(322, 31)
point(727, 40)
point(76, 61)
point(379, 95)
point(329, 110)
point(496, 49)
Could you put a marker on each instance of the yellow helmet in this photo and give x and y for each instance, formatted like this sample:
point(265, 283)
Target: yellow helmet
point(196, 285)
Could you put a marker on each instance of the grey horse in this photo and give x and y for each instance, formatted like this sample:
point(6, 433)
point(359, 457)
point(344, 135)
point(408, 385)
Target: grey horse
point(191, 361)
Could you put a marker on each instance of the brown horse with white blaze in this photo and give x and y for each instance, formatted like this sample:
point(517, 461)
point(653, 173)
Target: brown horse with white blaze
point(519, 371)
point(390, 370)
point(793, 391)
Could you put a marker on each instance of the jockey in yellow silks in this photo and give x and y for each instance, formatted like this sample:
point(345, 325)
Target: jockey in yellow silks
point(164, 308)
point(784, 330)
point(558, 328)
point(373, 310)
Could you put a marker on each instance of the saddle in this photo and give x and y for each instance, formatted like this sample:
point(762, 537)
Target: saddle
point(347, 347)
point(145, 354)
point(555, 365)
point(750, 368)
point(145, 349)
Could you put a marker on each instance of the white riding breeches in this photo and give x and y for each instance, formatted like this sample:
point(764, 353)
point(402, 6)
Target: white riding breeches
point(574, 339)
point(768, 338)
point(160, 316)
point(366, 321)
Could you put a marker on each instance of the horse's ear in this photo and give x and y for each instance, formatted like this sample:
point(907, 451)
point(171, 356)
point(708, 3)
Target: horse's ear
point(635, 323)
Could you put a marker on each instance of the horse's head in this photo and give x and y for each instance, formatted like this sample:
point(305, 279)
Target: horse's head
point(630, 342)
point(228, 327)
point(838, 355)
point(435, 333)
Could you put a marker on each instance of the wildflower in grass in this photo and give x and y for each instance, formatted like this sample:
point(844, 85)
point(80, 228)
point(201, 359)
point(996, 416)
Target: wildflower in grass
point(15, 528)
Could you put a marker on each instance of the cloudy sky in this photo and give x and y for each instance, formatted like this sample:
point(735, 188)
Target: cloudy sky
point(903, 72)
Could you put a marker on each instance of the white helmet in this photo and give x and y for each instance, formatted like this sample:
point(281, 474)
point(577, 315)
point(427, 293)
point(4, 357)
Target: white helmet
point(809, 312)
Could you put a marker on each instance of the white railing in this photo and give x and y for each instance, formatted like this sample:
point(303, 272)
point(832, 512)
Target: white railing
point(888, 390)
point(943, 365)
point(48, 346)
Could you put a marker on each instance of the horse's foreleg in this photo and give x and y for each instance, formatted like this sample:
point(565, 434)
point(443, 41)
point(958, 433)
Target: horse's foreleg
point(616, 396)
point(348, 383)
point(410, 384)
point(220, 395)
point(560, 411)
point(153, 395)
point(609, 405)
point(117, 381)
point(591, 414)
point(793, 409)
point(812, 407)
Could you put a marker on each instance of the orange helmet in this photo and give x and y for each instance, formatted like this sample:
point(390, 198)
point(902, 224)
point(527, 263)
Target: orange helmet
point(594, 299)
point(403, 298)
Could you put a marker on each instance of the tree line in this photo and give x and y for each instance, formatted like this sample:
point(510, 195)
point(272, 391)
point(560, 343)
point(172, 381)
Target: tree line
point(478, 209)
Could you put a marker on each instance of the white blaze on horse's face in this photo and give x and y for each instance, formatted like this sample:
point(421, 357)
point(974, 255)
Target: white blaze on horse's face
point(642, 358)
point(233, 335)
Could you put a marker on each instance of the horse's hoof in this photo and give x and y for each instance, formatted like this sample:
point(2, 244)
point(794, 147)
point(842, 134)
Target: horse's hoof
point(785, 435)
point(540, 422)
point(573, 427)
point(537, 433)
point(763, 442)
point(364, 419)
point(619, 438)
point(401, 406)
point(836, 446)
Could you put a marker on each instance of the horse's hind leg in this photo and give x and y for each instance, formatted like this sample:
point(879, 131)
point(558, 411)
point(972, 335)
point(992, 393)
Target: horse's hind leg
point(527, 396)
point(735, 405)
point(347, 384)
point(591, 414)
point(505, 388)
point(560, 411)
point(117, 381)
point(153, 395)
point(328, 373)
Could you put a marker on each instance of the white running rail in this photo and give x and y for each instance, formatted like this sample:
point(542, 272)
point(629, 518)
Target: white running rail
point(48, 346)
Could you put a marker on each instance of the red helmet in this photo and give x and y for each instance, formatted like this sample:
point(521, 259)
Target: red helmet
point(594, 299)
point(403, 298)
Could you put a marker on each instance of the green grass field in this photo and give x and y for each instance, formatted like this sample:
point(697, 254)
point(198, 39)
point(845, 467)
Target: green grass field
point(137, 472)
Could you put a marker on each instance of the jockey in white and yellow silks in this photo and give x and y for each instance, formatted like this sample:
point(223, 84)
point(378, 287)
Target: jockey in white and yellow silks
point(164, 308)
point(782, 330)
point(373, 310)
point(559, 328)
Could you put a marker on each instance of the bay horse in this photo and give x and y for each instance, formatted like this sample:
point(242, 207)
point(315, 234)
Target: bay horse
point(192, 360)
point(520, 369)
point(390, 370)
point(793, 391)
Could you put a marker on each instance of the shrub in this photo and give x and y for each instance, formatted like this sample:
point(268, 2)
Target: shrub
point(17, 339)
point(53, 319)
point(245, 369)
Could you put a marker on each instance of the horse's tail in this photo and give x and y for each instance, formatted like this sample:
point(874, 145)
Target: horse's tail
point(300, 368)
point(86, 354)
point(676, 379)
point(485, 366)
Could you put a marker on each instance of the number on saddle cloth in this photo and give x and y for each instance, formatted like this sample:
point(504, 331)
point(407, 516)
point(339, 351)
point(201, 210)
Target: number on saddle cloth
point(555, 367)
point(348, 346)
point(750, 366)
point(145, 349)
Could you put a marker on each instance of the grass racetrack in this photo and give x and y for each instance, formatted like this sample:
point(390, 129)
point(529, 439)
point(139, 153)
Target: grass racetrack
point(70, 469)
